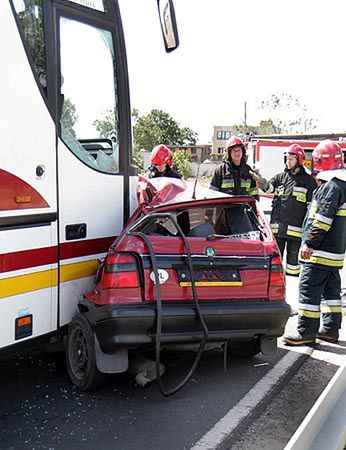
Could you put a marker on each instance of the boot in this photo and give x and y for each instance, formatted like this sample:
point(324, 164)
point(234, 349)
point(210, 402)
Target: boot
point(298, 339)
point(328, 335)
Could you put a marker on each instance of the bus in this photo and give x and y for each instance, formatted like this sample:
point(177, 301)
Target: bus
point(66, 190)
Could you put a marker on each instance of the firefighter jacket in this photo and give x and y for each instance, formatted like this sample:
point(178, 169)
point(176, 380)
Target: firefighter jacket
point(233, 180)
point(169, 172)
point(325, 225)
point(292, 194)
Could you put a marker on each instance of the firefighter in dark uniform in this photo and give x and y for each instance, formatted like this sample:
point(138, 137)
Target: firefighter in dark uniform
point(161, 163)
point(323, 251)
point(233, 176)
point(293, 191)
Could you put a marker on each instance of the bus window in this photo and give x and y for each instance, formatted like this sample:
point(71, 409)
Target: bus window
point(89, 117)
point(30, 15)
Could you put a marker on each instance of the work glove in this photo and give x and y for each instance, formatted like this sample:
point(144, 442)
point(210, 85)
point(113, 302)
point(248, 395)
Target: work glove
point(261, 182)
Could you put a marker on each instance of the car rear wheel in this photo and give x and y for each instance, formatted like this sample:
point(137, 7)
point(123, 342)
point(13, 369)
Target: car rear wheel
point(81, 357)
point(244, 349)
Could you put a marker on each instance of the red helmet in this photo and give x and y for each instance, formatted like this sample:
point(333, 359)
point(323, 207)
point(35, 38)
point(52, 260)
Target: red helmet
point(161, 155)
point(327, 155)
point(297, 151)
point(234, 141)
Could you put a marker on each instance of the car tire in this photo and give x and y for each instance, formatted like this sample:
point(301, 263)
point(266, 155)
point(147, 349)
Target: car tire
point(81, 357)
point(244, 349)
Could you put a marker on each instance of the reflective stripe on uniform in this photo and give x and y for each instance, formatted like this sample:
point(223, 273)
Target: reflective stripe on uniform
point(325, 261)
point(245, 184)
point(309, 314)
point(253, 191)
point(331, 306)
point(311, 311)
point(292, 269)
point(331, 309)
point(308, 307)
point(329, 255)
point(320, 225)
point(342, 210)
point(274, 227)
point(300, 194)
point(294, 231)
point(327, 258)
point(227, 184)
point(300, 189)
point(324, 219)
point(336, 302)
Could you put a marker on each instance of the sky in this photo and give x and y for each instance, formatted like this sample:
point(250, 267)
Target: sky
point(236, 51)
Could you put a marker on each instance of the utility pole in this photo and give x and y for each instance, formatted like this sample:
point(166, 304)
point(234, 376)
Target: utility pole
point(245, 126)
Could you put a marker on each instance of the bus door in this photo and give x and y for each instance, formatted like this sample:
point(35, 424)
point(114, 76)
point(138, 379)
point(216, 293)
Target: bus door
point(93, 144)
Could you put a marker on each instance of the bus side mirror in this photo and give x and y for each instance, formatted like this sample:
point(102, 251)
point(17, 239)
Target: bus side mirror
point(168, 24)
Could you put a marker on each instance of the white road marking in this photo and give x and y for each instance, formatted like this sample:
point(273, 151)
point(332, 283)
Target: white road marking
point(231, 420)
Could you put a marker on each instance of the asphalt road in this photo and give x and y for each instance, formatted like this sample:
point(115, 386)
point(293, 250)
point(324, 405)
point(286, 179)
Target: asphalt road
point(40, 409)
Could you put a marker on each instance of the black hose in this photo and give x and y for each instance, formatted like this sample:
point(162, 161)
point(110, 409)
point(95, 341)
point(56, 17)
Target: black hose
point(159, 311)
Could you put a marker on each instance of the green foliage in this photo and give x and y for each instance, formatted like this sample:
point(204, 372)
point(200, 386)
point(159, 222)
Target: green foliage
point(106, 125)
point(31, 18)
point(268, 127)
point(159, 127)
point(181, 162)
point(155, 128)
point(138, 159)
point(69, 116)
point(241, 129)
point(287, 115)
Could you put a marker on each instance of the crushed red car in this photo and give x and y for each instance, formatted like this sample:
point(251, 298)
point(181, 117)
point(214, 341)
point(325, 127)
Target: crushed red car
point(194, 268)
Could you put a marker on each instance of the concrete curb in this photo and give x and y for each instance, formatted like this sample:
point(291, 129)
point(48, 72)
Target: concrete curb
point(325, 425)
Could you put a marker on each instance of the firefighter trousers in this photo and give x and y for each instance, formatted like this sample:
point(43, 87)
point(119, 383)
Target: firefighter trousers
point(292, 251)
point(318, 285)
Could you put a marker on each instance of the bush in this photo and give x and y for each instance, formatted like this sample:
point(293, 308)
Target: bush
point(181, 162)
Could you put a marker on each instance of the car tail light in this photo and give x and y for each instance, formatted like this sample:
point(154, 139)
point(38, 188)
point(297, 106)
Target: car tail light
point(120, 271)
point(277, 280)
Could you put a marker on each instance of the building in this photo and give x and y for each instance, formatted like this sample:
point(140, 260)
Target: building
point(222, 133)
point(202, 151)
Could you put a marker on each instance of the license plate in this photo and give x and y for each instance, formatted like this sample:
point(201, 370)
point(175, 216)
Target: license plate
point(210, 276)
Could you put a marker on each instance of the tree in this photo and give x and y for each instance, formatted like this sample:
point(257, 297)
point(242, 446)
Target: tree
point(31, 18)
point(286, 115)
point(268, 127)
point(181, 162)
point(159, 127)
point(154, 128)
point(69, 116)
point(107, 124)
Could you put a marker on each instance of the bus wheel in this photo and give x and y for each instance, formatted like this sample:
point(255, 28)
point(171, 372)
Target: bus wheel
point(80, 355)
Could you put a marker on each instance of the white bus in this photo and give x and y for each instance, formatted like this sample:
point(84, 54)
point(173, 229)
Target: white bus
point(65, 189)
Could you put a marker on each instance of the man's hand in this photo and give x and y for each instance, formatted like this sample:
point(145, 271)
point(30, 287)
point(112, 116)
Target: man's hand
point(305, 251)
point(261, 182)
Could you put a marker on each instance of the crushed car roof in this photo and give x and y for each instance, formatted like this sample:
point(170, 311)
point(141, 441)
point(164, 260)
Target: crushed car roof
point(165, 191)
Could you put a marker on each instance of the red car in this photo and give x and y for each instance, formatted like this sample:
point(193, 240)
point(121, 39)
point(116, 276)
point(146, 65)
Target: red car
point(186, 271)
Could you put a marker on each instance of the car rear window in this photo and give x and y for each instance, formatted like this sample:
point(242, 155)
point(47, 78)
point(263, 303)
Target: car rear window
point(237, 221)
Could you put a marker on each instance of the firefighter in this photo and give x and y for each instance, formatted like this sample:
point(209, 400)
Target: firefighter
point(323, 251)
point(233, 176)
point(293, 189)
point(161, 163)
